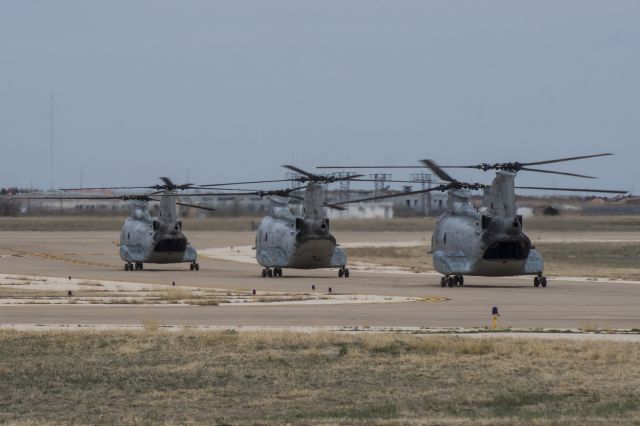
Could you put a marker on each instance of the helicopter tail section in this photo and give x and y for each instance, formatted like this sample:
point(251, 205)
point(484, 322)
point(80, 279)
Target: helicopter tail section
point(501, 199)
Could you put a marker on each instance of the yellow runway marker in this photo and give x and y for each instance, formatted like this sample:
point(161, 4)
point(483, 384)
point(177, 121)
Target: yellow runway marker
point(434, 299)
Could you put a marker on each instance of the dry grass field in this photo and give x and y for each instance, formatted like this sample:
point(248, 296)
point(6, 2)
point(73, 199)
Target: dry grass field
point(593, 259)
point(204, 377)
point(114, 223)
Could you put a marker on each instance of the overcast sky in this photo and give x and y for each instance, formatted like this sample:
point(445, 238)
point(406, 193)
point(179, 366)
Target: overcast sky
point(231, 90)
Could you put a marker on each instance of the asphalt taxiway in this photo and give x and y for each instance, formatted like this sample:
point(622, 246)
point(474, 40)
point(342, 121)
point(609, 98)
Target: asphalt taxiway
point(566, 303)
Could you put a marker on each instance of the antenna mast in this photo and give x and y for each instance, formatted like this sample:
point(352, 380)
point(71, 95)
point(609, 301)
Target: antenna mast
point(51, 141)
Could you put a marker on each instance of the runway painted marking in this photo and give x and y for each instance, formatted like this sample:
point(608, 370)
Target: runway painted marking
point(48, 256)
point(433, 299)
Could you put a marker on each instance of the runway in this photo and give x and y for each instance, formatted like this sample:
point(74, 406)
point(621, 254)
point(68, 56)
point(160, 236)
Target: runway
point(565, 304)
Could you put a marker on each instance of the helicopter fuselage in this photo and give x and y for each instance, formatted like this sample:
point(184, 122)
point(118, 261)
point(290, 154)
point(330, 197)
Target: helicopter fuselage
point(466, 242)
point(150, 240)
point(286, 241)
point(483, 246)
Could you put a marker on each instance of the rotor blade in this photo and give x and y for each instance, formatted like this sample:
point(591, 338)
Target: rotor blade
point(20, 197)
point(107, 187)
point(560, 160)
point(196, 206)
point(209, 186)
point(302, 172)
point(381, 197)
point(369, 167)
point(438, 171)
point(334, 206)
point(167, 181)
point(603, 191)
point(277, 192)
point(556, 173)
point(227, 189)
point(209, 194)
point(337, 178)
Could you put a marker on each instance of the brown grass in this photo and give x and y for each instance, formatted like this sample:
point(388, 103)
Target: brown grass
point(196, 377)
point(593, 259)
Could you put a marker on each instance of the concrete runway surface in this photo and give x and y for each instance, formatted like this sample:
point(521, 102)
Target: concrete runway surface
point(566, 303)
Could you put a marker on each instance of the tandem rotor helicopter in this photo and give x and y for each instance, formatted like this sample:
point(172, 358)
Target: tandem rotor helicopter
point(297, 240)
point(144, 238)
point(490, 243)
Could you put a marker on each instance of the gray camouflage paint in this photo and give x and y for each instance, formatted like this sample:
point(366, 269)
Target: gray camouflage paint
point(285, 240)
point(463, 237)
point(155, 240)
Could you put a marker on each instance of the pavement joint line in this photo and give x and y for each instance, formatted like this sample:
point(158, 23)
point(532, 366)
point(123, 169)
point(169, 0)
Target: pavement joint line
point(54, 257)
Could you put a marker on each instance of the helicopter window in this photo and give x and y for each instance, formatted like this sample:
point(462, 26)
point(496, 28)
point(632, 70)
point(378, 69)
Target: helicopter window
point(266, 236)
point(445, 238)
point(129, 236)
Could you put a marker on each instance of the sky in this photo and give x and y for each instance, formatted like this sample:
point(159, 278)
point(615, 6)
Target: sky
point(218, 91)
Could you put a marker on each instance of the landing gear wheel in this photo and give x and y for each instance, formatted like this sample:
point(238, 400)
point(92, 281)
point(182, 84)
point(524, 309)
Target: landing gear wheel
point(126, 266)
point(460, 280)
point(264, 273)
point(277, 272)
point(456, 280)
point(141, 266)
point(192, 267)
point(346, 273)
point(451, 281)
point(443, 282)
point(196, 266)
point(536, 281)
point(340, 273)
point(269, 273)
point(543, 281)
point(131, 266)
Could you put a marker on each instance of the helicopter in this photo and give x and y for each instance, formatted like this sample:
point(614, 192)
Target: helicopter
point(144, 238)
point(300, 240)
point(491, 243)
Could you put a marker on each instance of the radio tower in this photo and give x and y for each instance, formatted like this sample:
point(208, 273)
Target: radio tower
point(51, 142)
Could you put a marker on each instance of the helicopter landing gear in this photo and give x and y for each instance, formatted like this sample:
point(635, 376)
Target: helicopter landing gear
point(129, 266)
point(267, 272)
point(539, 280)
point(343, 272)
point(194, 266)
point(451, 280)
point(138, 266)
